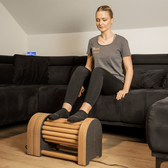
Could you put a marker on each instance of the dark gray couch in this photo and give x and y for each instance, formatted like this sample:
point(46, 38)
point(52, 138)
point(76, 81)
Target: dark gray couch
point(157, 130)
point(19, 101)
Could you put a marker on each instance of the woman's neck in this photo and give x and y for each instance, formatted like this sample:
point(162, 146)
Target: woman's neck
point(106, 38)
point(107, 35)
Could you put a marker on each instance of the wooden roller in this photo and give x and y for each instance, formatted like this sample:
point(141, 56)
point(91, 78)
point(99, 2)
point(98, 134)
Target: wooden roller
point(80, 141)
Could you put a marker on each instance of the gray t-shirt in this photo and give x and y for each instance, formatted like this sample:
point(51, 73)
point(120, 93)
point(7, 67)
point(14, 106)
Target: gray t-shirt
point(109, 57)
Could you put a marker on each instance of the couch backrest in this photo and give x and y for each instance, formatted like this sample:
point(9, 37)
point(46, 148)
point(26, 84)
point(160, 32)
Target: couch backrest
point(60, 68)
point(150, 61)
point(6, 69)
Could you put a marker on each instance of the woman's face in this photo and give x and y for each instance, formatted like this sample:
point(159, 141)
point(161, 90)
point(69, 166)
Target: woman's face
point(103, 21)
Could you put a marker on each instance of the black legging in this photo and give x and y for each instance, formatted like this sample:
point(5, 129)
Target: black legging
point(101, 81)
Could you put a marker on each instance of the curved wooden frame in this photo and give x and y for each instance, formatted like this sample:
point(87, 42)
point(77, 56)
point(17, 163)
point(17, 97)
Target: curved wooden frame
point(84, 138)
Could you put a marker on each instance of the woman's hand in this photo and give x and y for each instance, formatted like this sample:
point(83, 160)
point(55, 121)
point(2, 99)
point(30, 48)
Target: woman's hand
point(128, 77)
point(121, 94)
point(81, 91)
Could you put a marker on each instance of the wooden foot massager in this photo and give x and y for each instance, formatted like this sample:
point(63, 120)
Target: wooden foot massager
point(80, 142)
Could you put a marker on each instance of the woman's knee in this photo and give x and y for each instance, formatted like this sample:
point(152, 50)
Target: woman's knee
point(81, 71)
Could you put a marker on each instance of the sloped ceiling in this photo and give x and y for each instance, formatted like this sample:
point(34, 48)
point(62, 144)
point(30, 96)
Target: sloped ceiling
point(67, 16)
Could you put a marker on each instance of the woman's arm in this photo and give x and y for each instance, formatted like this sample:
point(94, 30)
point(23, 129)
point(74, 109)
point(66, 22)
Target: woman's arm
point(128, 77)
point(89, 62)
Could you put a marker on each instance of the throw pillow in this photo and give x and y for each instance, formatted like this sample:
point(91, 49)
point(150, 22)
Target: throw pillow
point(165, 84)
point(30, 70)
point(144, 78)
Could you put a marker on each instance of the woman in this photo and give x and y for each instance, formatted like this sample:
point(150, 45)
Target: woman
point(108, 51)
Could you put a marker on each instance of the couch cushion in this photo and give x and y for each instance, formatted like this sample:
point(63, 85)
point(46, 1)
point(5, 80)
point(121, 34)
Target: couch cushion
point(30, 70)
point(137, 102)
point(17, 103)
point(165, 84)
point(51, 97)
point(154, 95)
point(59, 75)
point(133, 107)
point(6, 73)
point(107, 108)
point(157, 128)
point(144, 78)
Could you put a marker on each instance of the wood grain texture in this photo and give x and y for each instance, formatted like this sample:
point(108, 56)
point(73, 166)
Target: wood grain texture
point(82, 141)
point(30, 133)
point(59, 155)
point(57, 129)
point(37, 134)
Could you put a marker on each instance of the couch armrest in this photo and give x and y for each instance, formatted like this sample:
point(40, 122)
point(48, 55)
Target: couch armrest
point(157, 128)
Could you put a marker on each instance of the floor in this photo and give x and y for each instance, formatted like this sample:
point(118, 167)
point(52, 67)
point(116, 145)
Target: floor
point(120, 133)
point(118, 137)
point(9, 130)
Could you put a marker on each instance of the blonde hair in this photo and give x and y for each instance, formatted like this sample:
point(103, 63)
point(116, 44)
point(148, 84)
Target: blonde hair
point(105, 8)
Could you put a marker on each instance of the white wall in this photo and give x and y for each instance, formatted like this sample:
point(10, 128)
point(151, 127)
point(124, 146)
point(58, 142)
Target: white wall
point(12, 38)
point(60, 44)
point(141, 41)
point(147, 40)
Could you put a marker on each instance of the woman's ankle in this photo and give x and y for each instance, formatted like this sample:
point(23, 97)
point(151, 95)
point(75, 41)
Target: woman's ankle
point(67, 106)
point(86, 107)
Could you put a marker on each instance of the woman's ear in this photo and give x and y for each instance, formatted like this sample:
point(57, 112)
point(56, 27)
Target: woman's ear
point(112, 20)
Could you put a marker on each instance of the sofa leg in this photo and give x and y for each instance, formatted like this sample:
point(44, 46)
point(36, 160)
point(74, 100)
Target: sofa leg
point(159, 161)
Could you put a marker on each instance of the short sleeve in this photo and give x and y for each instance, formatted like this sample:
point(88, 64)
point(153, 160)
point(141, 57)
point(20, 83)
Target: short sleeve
point(89, 50)
point(125, 50)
